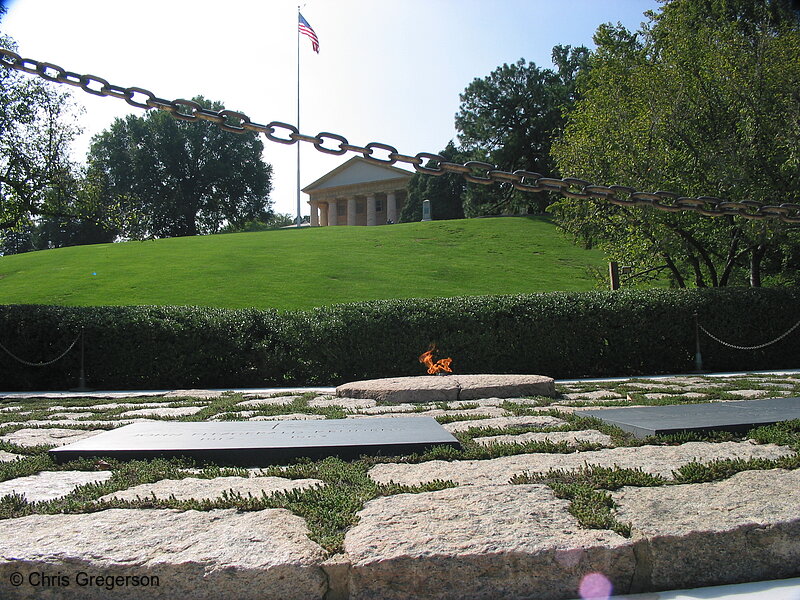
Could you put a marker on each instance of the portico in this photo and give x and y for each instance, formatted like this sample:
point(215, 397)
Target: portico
point(358, 192)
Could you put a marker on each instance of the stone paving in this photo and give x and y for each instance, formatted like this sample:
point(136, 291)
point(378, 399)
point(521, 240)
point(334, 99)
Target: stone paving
point(657, 460)
point(170, 553)
point(259, 402)
point(588, 436)
point(752, 518)
point(203, 534)
point(192, 488)
point(8, 456)
point(51, 436)
point(48, 485)
point(163, 412)
point(500, 422)
point(463, 543)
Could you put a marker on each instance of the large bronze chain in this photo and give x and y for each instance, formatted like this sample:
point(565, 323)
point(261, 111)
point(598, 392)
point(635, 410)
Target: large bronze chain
point(377, 152)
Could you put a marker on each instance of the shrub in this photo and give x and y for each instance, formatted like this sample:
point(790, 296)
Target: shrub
point(142, 346)
point(557, 334)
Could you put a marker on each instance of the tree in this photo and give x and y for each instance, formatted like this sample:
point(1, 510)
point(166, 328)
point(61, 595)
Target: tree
point(36, 128)
point(46, 200)
point(22, 238)
point(701, 101)
point(445, 192)
point(185, 178)
point(510, 119)
point(74, 217)
point(274, 221)
point(58, 232)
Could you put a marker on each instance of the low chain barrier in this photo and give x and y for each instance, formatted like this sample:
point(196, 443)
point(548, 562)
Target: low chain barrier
point(472, 171)
point(41, 364)
point(758, 347)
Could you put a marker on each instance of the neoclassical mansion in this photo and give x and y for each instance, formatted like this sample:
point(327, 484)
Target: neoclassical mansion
point(358, 192)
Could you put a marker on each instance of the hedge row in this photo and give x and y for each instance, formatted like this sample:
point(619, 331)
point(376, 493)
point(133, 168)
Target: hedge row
point(557, 334)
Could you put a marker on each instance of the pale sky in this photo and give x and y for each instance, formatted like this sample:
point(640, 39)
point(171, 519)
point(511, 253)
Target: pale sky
point(387, 71)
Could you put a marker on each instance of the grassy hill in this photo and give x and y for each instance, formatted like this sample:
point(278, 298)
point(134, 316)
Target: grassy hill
point(289, 269)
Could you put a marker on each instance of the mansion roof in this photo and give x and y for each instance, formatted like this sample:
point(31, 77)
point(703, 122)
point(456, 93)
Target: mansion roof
point(357, 172)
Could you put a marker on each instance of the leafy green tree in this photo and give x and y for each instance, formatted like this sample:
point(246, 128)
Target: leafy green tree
point(185, 178)
point(274, 221)
point(20, 239)
point(46, 200)
point(58, 232)
point(702, 100)
point(510, 118)
point(75, 215)
point(445, 192)
point(36, 129)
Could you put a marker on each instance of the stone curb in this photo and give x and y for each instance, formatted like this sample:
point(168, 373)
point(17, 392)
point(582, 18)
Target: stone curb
point(449, 388)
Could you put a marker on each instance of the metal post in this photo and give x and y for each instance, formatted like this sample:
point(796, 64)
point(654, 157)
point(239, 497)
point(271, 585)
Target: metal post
point(298, 114)
point(82, 378)
point(698, 357)
point(613, 274)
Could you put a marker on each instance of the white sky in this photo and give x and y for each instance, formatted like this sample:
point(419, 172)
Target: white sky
point(387, 71)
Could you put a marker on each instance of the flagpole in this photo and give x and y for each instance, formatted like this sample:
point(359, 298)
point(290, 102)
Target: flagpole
point(298, 115)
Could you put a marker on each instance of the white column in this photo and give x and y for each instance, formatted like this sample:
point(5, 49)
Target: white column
point(323, 215)
point(391, 207)
point(314, 213)
point(333, 212)
point(351, 210)
point(371, 210)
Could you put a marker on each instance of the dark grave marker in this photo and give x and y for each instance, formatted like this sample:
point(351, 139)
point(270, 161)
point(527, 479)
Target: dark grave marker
point(709, 416)
point(262, 442)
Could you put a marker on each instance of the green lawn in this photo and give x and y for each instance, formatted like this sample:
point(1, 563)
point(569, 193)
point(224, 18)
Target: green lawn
point(295, 269)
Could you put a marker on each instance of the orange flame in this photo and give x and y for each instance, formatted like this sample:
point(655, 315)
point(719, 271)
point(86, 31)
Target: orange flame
point(440, 366)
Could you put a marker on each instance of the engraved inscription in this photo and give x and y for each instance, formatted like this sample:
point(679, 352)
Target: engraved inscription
point(260, 442)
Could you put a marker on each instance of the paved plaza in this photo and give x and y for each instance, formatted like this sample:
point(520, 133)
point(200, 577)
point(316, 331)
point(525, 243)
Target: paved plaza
point(540, 501)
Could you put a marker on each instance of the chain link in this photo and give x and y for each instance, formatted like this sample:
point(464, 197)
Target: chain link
point(41, 364)
point(758, 347)
point(473, 171)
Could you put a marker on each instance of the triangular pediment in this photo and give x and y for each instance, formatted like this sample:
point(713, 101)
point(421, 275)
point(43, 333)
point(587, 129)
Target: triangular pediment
point(356, 171)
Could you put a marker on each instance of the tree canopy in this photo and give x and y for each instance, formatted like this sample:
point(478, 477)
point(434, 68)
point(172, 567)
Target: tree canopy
point(702, 101)
point(183, 178)
point(510, 119)
point(446, 192)
point(37, 177)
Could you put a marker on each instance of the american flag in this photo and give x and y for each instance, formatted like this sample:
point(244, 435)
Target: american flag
point(306, 29)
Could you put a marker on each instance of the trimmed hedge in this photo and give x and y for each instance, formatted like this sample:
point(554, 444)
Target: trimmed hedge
point(141, 347)
point(587, 334)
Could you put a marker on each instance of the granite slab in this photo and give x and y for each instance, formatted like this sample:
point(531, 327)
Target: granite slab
point(643, 421)
point(262, 442)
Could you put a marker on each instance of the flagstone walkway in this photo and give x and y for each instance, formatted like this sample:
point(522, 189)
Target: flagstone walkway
point(541, 503)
